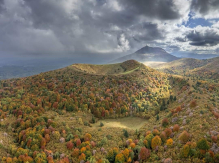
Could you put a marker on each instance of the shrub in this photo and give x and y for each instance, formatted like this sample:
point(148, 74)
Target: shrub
point(144, 153)
point(125, 133)
point(214, 139)
point(178, 109)
point(165, 122)
point(208, 157)
point(156, 141)
point(203, 144)
point(169, 142)
point(193, 103)
point(93, 120)
point(69, 137)
point(80, 121)
point(216, 114)
point(103, 141)
point(176, 128)
point(184, 137)
point(101, 124)
point(216, 157)
point(56, 135)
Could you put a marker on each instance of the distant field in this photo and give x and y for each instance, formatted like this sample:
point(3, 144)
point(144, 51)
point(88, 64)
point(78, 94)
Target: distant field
point(127, 122)
point(152, 63)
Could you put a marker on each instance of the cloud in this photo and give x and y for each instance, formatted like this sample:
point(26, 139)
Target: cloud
point(180, 39)
point(162, 10)
point(1, 5)
point(203, 37)
point(208, 9)
point(123, 43)
point(101, 27)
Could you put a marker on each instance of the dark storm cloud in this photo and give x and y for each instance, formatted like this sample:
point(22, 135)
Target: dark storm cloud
point(47, 14)
point(147, 32)
point(83, 27)
point(88, 27)
point(203, 38)
point(205, 6)
point(160, 9)
point(1, 5)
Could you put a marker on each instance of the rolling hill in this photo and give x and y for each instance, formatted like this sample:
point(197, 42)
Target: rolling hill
point(206, 69)
point(148, 54)
point(109, 69)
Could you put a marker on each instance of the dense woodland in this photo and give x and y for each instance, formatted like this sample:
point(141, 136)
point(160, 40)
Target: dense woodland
point(49, 117)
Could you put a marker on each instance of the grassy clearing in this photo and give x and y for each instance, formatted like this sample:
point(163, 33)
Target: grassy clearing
point(127, 122)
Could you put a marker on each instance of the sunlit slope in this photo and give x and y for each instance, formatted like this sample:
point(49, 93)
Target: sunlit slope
point(181, 65)
point(205, 69)
point(108, 69)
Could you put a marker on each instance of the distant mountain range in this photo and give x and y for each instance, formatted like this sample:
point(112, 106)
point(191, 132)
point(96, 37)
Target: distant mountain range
point(148, 54)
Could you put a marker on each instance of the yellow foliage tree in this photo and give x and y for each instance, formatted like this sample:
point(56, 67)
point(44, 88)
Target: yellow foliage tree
point(156, 141)
point(119, 158)
point(126, 154)
point(185, 150)
point(169, 142)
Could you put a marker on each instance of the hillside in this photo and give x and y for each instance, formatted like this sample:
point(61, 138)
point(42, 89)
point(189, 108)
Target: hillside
point(97, 113)
point(148, 54)
point(210, 70)
point(181, 66)
point(109, 69)
point(203, 69)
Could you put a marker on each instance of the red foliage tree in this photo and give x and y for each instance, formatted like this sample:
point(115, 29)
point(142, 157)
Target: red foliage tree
point(144, 153)
point(168, 132)
point(69, 145)
point(78, 142)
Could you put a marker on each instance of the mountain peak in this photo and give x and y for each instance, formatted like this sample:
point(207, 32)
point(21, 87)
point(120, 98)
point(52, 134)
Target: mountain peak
point(148, 49)
point(148, 53)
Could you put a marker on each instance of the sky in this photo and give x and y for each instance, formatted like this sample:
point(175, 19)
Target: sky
point(98, 30)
